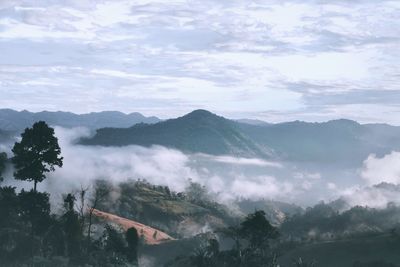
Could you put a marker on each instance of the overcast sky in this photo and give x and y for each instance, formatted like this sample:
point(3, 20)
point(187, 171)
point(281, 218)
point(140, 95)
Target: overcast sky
point(274, 60)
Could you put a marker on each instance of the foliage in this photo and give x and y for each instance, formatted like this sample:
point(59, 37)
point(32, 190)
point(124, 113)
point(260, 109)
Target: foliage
point(35, 209)
point(301, 263)
point(160, 207)
point(3, 160)
point(378, 263)
point(251, 246)
point(132, 238)
point(322, 222)
point(257, 230)
point(37, 153)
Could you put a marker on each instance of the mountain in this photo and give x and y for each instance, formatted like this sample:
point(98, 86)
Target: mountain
point(200, 131)
point(253, 122)
point(15, 121)
point(337, 140)
point(5, 136)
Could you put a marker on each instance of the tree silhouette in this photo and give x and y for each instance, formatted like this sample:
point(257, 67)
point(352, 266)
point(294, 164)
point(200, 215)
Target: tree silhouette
point(37, 153)
point(132, 238)
point(257, 230)
point(35, 208)
point(72, 227)
point(3, 160)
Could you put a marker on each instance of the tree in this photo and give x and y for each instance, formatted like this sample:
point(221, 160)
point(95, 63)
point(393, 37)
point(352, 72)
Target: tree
point(8, 207)
point(132, 238)
point(72, 227)
point(37, 153)
point(35, 208)
point(257, 230)
point(3, 160)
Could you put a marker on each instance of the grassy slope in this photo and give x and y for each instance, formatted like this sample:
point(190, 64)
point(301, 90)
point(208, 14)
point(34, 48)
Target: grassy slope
point(170, 213)
point(151, 235)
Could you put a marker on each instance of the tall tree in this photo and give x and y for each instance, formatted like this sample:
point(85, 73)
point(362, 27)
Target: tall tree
point(132, 238)
point(3, 160)
point(257, 230)
point(72, 227)
point(36, 154)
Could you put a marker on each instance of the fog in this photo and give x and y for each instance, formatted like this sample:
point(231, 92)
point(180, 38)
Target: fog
point(382, 179)
point(385, 169)
point(227, 178)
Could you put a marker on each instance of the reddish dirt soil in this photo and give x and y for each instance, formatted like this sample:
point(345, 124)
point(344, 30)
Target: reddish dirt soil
point(151, 235)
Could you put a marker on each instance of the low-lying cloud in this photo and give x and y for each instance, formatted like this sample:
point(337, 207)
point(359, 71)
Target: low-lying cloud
point(84, 164)
point(377, 196)
point(385, 169)
point(243, 161)
point(224, 176)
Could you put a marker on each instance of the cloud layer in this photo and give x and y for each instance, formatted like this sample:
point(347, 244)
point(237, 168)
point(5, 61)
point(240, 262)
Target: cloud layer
point(274, 60)
point(225, 177)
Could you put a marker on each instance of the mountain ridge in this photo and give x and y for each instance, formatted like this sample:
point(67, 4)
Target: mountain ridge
point(201, 131)
point(12, 120)
point(198, 131)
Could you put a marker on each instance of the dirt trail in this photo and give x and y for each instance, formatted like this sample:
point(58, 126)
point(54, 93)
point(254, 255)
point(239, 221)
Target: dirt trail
point(151, 235)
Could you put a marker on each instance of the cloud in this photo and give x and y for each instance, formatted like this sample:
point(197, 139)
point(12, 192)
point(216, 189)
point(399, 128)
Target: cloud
point(377, 196)
point(227, 178)
point(243, 161)
point(237, 57)
point(83, 164)
point(384, 169)
point(260, 187)
point(381, 183)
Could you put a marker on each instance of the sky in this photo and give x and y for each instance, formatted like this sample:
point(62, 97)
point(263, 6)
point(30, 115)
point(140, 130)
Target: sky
point(274, 60)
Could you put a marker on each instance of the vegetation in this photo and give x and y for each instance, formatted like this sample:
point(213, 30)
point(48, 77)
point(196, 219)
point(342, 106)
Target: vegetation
point(36, 154)
point(181, 214)
point(3, 161)
point(338, 142)
point(199, 131)
point(31, 236)
point(323, 222)
point(251, 246)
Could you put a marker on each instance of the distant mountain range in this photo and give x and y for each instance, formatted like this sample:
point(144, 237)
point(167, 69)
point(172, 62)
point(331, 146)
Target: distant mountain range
point(13, 121)
point(338, 141)
point(200, 131)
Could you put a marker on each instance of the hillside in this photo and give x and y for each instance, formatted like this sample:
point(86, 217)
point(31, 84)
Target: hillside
point(337, 140)
point(12, 120)
point(5, 136)
point(199, 131)
point(378, 249)
point(177, 214)
point(150, 235)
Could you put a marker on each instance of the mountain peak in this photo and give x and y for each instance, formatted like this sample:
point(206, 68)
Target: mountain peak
point(200, 112)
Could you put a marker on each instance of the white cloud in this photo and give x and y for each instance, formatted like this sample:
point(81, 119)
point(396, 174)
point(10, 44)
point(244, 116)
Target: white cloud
point(244, 161)
point(385, 169)
point(374, 197)
point(234, 57)
point(260, 187)
point(331, 186)
point(158, 165)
